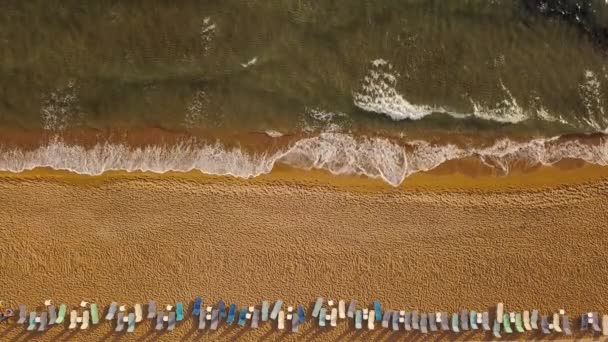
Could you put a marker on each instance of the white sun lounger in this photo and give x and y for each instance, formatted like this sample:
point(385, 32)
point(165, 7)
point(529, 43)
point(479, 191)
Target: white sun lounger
point(215, 313)
point(595, 323)
point(43, 321)
point(605, 325)
point(407, 321)
point(423, 323)
point(527, 325)
point(151, 309)
point(275, 310)
point(358, 320)
point(171, 323)
point(120, 322)
point(370, 319)
point(415, 320)
point(566, 325)
point(73, 319)
point(202, 320)
point(500, 312)
point(86, 315)
point(386, 318)
point(111, 311)
point(395, 321)
point(464, 319)
point(556, 323)
point(52, 314)
point(432, 321)
point(159, 322)
point(317, 308)
point(139, 316)
point(352, 307)
point(265, 309)
point(334, 317)
point(485, 321)
point(341, 309)
point(22, 314)
point(281, 322)
point(322, 318)
point(444, 321)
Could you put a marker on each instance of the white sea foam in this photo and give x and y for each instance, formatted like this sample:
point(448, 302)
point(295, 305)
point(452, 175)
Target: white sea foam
point(591, 96)
point(196, 110)
point(60, 107)
point(249, 63)
point(273, 134)
point(338, 153)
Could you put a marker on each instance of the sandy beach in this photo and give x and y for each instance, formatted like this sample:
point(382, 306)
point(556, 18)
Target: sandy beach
point(131, 237)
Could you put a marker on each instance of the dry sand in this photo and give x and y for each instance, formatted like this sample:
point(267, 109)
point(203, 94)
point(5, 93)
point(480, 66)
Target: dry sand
point(437, 243)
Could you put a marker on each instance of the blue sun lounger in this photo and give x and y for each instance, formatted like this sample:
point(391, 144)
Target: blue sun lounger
point(242, 316)
point(255, 318)
point(423, 323)
point(52, 314)
point(407, 321)
point(43, 321)
point(295, 323)
point(111, 311)
point(198, 302)
point(473, 320)
point(159, 321)
point(179, 312)
point(131, 323)
point(544, 324)
point(151, 309)
point(464, 320)
point(386, 317)
point(378, 311)
point(432, 321)
point(444, 321)
point(455, 323)
point(395, 321)
point(322, 314)
point(120, 323)
point(32, 324)
point(352, 307)
point(358, 320)
point(22, 314)
point(566, 325)
point(265, 309)
point(231, 314)
point(584, 322)
point(221, 307)
point(496, 330)
point(172, 319)
point(415, 320)
point(317, 308)
point(215, 319)
point(275, 309)
point(301, 314)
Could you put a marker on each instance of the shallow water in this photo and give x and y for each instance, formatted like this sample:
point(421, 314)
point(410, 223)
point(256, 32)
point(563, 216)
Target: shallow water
point(377, 77)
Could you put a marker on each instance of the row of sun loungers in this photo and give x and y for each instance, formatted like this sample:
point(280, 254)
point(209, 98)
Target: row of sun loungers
point(327, 314)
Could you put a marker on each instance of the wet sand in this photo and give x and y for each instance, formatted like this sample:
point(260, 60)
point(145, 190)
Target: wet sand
point(439, 242)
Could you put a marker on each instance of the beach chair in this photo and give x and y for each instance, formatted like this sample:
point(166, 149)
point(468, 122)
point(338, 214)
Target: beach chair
point(341, 309)
point(464, 320)
point(423, 323)
point(595, 323)
point(61, 314)
point(584, 322)
point(111, 311)
point(151, 309)
point(395, 321)
point(172, 321)
point(496, 329)
point(202, 320)
point(385, 318)
point(444, 321)
point(179, 312)
point(295, 323)
point(377, 311)
point(556, 323)
point(94, 314)
point(371, 319)
point(131, 323)
point(473, 320)
point(455, 323)
point(265, 310)
point(43, 321)
point(221, 307)
point(605, 325)
point(334, 317)
point(566, 325)
point(485, 321)
point(275, 309)
point(120, 322)
point(86, 316)
point(407, 321)
point(544, 324)
point(215, 319)
point(198, 302)
point(527, 325)
point(506, 322)
point(500, 312)
point(22, 314)
point(518, 323)
point(322, 317)
point(73, 319)
point(159, 322)
point(317, 308)
point(352, 307)
point(52, 314)
point(432, 322)
point(534, 320)
point(281, 320)
point(139, 315)
point(231, 314)
point(415, 320)
point(358, 320)
point(242, 317)
point(301, 314)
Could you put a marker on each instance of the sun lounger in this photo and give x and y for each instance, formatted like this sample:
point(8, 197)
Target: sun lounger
point(444, 321)
point(151, 309)
point(334, 317)
point(395, 321)
point(295, 323)
point(352, 307)
point(52, 314)
point(534, 320)
point(111, 311)
point(242, 317)
point(301, 314)
point(584, 322)
point(371, 319)
point(595, 323)
point(432, 321)
point(139, 315)
point(518, 323)
point(221, 307)
point(215, 318)
point(172, 321)
point(566, 325)
point(198, 302)
point(473, 320)
point(556, 323)
point(506, 322)
point(485, 321)
point(131, 323)
point(377, 311)
point(423, 323)
point(73, 319)
point(159, 321)
point(496, 329)
point(61, 314)
point(455, 323)
point(407, 321)
point(120, 323)
point(43, 321)
point(464, 320)
point(385, 318)
point(94, 314)
point(415, 320)
point(341, 309)
point(322, 318)
point(358, 320)
point(527, 325)
point(22, 314)
point(281, 320)
point(265, 310)
point(500, 312)
point(544, 324)
point(317, 308)
point(605, 325)
point(86, 316)
point(231, 314)
point(179, 312)
point(275, 309)
point(202, 320)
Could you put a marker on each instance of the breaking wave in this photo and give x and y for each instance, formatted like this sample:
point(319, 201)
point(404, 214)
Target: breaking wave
point(338, 153)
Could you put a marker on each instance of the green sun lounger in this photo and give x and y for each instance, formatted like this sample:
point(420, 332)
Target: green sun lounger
point(496, 330)
point(322, 314)
point(32, 321)
point(518, 323)
point(179, 312)
point(506, 322)
point(61, 314)
point(358, 319)
point(131, 323)
point(473, 319)
point(94, 314)
point(455, 323)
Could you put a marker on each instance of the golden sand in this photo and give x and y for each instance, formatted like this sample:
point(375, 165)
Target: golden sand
point(438, 242)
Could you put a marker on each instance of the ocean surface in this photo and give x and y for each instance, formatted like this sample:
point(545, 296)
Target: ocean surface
point(377, 88)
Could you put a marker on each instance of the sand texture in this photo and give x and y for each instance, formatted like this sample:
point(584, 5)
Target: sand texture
point(171, 239)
